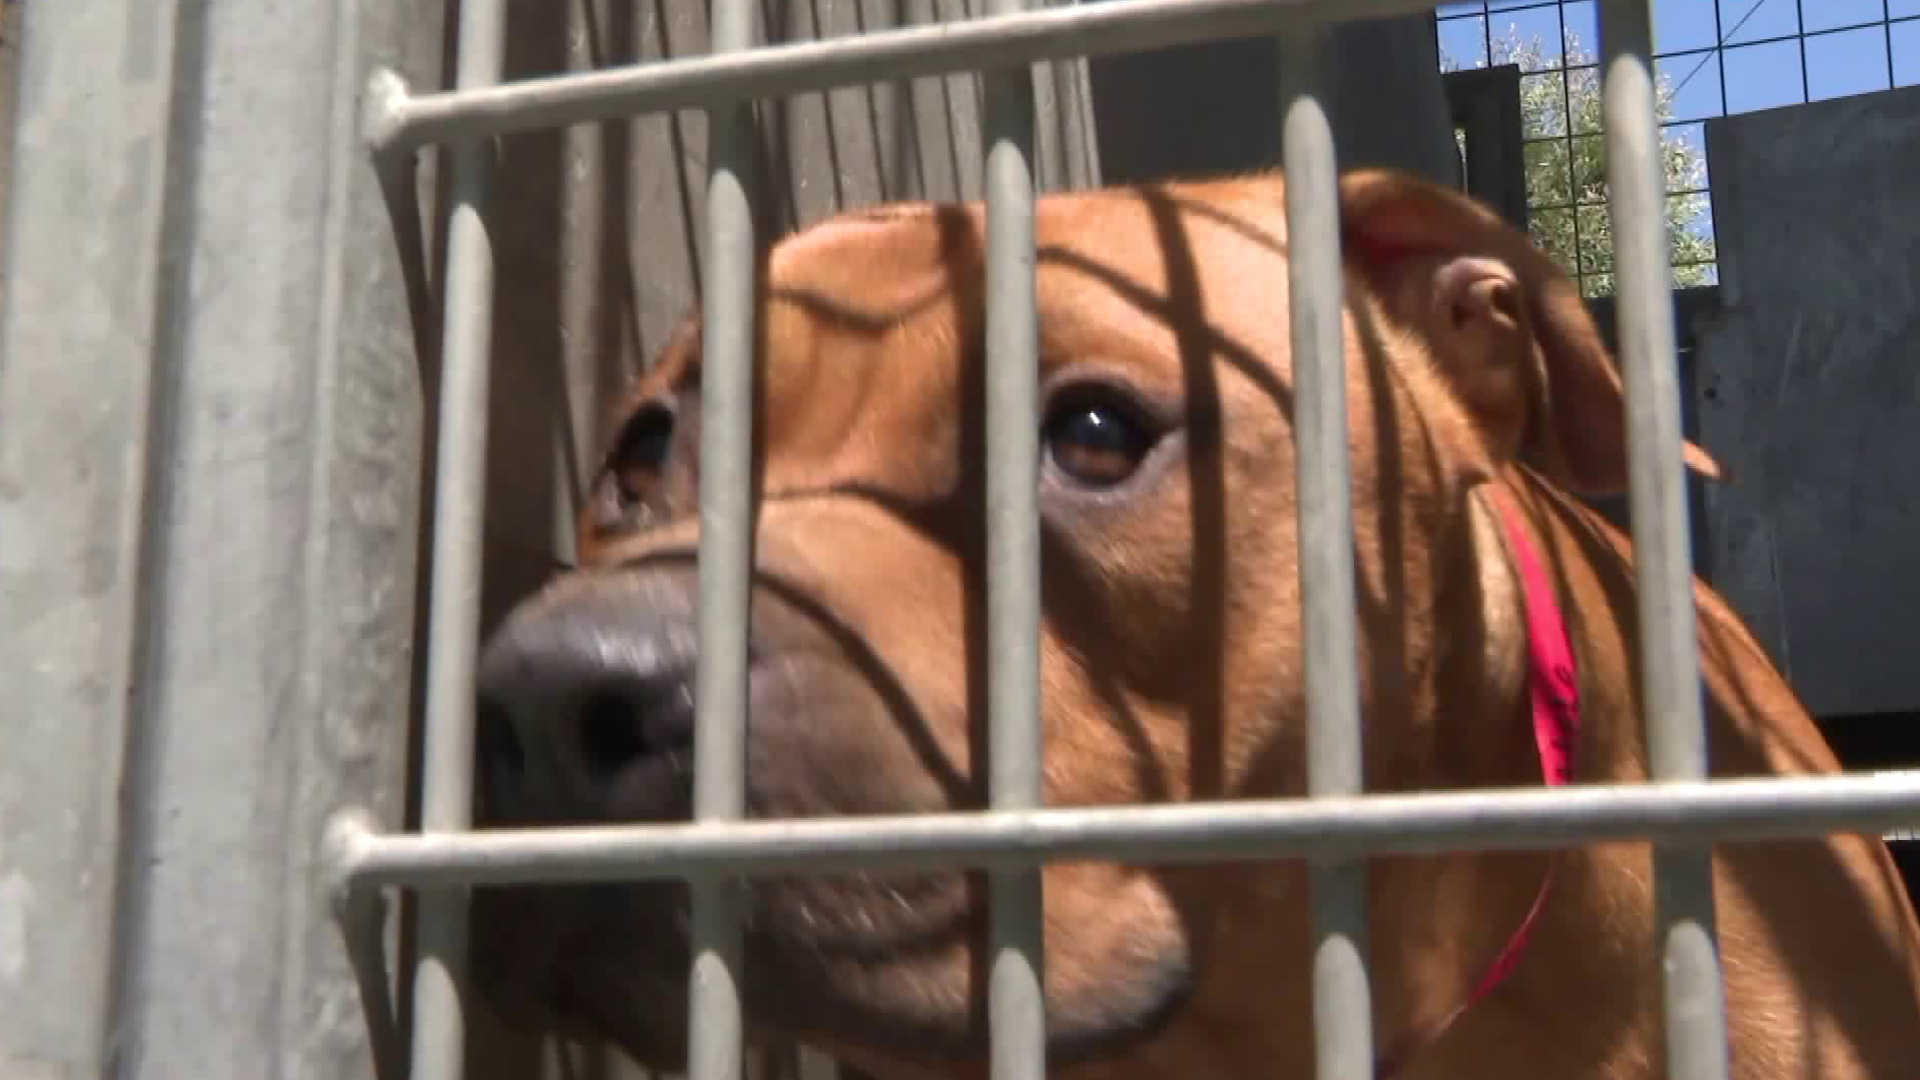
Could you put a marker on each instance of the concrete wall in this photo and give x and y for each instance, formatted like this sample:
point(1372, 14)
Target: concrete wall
point(1809, 391)
point(10, 12)
point(209, 456)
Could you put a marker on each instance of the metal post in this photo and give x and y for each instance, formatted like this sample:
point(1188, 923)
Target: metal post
point(1342, 1009)
point(446, 800)
point(1016, 998)
point(715, 1024)
point(1669, 647)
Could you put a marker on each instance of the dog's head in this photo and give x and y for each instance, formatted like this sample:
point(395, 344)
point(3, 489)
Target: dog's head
point(1170, 655)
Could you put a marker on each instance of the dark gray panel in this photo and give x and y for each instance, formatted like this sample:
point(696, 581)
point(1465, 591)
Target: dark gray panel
point(1809, 391)
point(1213, 108)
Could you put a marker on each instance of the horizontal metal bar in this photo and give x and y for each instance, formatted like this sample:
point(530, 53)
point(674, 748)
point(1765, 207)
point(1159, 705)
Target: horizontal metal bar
point(1684, 54)
point(1501, 10)
point(395, 120)
point(1360, 826)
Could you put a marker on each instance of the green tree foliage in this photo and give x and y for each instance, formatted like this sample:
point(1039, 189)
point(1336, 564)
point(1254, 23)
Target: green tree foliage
point(1566, 167)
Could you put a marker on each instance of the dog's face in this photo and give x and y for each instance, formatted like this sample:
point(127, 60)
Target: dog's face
point(1170, 659)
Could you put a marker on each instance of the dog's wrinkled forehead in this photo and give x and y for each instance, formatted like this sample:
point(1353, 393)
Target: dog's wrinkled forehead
point(872, 327)
point(1140, 280)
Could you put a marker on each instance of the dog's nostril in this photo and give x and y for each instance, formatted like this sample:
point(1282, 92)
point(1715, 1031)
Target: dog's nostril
point(498, 746)
point(610, 736)
point(619, 725)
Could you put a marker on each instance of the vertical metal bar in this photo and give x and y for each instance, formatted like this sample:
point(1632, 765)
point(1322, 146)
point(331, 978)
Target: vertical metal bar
point(439, 1034)
point(361, 918)
point(360, 915)
point(1720, 36)
point(1886, 27)
point(1669, 649)
point(1016, 1000)
point(1800, 19)
point(1342, 1008)
point(1573, 185)
point(1568, 141)
point(1486, 32)
point(716, 1026)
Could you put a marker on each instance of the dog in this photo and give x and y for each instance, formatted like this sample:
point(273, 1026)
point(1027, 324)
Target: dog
point(1483, 407)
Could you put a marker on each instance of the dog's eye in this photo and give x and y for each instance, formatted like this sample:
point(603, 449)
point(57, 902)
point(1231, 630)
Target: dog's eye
point(1094, 442)
point(640, 452)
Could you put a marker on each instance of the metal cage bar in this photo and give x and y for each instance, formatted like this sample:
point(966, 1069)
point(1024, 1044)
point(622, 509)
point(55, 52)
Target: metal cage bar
point(460, 488)
point(1530, 819)
point(398, 119)
point(1336, 826)
point(1657, 492)
point(1342, 998)
point(728, 336)
point(1016, 979)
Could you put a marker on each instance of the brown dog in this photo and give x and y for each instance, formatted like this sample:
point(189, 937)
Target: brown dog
point(1171, 662)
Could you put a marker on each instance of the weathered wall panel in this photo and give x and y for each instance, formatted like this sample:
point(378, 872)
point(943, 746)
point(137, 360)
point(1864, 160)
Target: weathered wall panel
point(209, 453)
point(1214, 107)
point(10, 12)
point(1809, 389)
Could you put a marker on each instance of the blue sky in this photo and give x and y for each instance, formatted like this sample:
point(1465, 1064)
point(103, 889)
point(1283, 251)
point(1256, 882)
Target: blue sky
point(1846, 44)
point(1776, 52)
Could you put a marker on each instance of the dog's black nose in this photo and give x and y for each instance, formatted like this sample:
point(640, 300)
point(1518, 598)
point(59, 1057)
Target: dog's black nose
point(585, 702)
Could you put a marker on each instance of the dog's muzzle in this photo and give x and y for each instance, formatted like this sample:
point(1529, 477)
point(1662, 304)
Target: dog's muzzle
point(585, 700)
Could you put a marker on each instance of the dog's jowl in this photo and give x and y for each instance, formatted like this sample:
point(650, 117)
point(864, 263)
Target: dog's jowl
point(1482, 401)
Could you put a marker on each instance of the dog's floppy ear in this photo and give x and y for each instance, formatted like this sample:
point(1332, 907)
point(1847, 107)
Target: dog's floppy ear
point(1506, 326)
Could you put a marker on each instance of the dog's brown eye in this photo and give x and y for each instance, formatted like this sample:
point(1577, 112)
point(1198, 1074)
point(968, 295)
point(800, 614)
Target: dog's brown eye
point(640, 452)
point(1095, 444)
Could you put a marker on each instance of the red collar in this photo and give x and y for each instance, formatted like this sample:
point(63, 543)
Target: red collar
point(1555, 696)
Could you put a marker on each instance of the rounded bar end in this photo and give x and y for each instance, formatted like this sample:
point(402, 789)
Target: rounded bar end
point(383, 109)
point(341, 849)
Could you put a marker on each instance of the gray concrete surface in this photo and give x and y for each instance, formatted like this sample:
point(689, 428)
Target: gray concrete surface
point(209, 453)
point(1809, 390)
point(10, 12)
